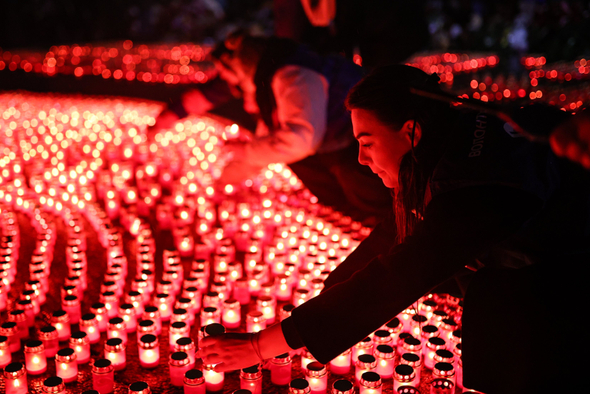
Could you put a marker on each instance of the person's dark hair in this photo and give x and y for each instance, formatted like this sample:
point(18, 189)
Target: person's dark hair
point(386, 93)
point(242, 45)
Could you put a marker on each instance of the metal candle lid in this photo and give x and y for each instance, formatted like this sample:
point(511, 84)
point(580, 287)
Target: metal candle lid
point(65, 355)
point(299, 386)
point(342, 386)
point(148, 341)
point(102, 366)
point(251, 373)
point(370, 380)
point(34, 346)
point(179, 359)
point(404, 373)
point(194, 377)
point(366, 361)
point(79, 338)
point(385, 352)
point(316, 369)
point(47, 333)
point(114, 345)
point(53, 384)
point(139, 388)
point(14, 370)
point(184, 343)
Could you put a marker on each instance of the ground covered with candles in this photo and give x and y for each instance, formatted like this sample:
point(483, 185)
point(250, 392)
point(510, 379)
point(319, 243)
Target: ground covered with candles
point(117, 244)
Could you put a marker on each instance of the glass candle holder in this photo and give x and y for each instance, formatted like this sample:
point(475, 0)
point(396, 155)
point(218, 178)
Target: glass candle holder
point(267, 305)
point(299, 386)
point(444, 356)
point(442, 386)
point(194, 382)
point(81, 345)
point(280, 370)
point(413, 360)
point(255, 321)
point(114, 350)
point(382, 337)
point(178, 330)
point(181, 314)
point(146, 327)
point(32, 296)
point(179, 364)
point(241, 291)
point(394, 326)
point(428, 331)
point(444, 370)
point(429, 351)
point(153, 313)
point(403, 375)
point(117, 328)
point(128, 313)
point(300, 295)
point(49, 336)
point(213, 380)
point(18, 317)
point(340, 365)
point(385, 355)
point(54, 385)
point(71, 304)
point(66, 366)
point(61, 321)
point(364, 363)
point(363, 347)
point(416, 323)
point(29, 309)
point(149, 351)
point(100, 311)
point(9, 329)
point(89, 325)
point(139, 388)
point(35, 359)
point(412, 345)
point(370, 383)
point(251, 379)
point(15, 379)
point(5, 354)
point(317, 377)
point(231, 316)
point(342, 386)
point(186, 344)
point(103, 376)
point(163, 302)
point(212, 299)
point(111, 303)
point(135, 298)
point(210, 315)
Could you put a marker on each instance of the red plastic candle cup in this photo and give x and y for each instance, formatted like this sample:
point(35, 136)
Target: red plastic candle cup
point(280, 370)
point(35, 359)
point(149, 351)
point(66, 365)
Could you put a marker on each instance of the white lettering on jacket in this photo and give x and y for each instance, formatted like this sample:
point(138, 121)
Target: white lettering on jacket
point(478, 135)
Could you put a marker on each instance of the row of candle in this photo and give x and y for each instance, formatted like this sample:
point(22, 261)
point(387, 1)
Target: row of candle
point(296, 220)
point(159, 63)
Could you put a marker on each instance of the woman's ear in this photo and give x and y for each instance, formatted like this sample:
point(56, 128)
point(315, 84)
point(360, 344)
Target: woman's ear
point(407, 131)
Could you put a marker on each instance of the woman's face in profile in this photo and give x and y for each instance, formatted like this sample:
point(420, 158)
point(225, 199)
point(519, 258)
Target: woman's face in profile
point(381, 146)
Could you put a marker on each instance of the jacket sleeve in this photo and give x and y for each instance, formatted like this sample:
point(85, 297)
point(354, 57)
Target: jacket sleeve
point(457, 227)
point(302, 101)
point(378, 242)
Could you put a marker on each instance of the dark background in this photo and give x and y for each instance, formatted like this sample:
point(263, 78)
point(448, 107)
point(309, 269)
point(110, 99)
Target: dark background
point(558, 29)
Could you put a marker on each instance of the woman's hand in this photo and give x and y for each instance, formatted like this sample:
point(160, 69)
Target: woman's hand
point(229, 351)
point(240, 350)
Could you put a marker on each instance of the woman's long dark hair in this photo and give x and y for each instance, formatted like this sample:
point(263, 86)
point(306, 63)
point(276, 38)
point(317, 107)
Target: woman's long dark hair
point(386, 93)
